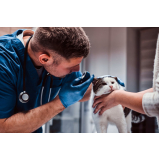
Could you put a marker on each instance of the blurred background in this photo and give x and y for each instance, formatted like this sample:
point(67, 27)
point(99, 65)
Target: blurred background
point(125, 52)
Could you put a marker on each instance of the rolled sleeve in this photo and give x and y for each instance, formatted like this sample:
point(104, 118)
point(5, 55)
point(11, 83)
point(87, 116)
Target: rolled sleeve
point(150, 103)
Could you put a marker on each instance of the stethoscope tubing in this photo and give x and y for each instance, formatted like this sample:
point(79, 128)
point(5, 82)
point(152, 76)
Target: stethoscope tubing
point(50, 90)
point(24, 93)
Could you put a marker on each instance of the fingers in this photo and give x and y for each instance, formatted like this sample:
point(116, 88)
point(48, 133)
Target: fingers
point(96, 102)
point(82, 79)
point(99, 106)
point(102, 110)
point(83, 82)
point(84, 86)
point(97, 97)
point(90, 79)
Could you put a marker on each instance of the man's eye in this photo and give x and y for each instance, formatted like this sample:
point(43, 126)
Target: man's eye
point(112, 82)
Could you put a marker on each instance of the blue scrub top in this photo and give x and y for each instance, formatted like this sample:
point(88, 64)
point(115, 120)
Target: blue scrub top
point(11, 79)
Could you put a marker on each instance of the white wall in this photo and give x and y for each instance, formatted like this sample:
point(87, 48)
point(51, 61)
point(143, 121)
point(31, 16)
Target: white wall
point(132, 60)
point(97, 62)
point(108, 54)
point(118, 52)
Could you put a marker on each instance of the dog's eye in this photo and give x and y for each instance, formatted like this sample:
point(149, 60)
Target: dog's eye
point(112, 82)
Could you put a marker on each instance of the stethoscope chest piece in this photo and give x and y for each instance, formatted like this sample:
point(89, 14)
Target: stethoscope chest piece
point(24, 97)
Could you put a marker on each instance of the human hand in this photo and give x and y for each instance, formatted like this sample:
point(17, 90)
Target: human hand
point(105, 102)
point(73, 91)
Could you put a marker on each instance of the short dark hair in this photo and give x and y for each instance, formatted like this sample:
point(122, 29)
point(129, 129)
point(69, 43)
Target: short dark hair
point(69, 42)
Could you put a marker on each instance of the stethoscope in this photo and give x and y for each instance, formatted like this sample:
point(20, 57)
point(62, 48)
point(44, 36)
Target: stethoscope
point(24, 96)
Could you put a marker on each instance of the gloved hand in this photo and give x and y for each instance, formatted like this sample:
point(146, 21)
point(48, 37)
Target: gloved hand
point(118, 80)
point(73, 91)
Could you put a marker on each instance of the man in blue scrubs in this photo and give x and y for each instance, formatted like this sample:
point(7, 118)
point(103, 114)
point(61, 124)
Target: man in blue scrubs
point(58, 51)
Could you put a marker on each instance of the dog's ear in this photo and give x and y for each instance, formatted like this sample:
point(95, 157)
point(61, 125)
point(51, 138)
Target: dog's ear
point(95, 80)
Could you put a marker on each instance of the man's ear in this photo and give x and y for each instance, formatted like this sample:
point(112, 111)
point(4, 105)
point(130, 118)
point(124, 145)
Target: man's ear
point(45, 59)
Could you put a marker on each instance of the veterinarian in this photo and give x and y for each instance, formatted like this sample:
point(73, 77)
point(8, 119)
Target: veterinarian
point(145, 102)
point(40, 77)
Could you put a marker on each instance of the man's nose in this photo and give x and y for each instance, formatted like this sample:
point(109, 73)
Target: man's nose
point(76, 69)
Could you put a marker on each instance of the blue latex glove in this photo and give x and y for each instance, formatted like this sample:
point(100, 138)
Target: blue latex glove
point(118, 80)
point(73, 91)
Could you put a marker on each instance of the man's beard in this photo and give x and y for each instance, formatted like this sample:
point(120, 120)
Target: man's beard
point(54, 74)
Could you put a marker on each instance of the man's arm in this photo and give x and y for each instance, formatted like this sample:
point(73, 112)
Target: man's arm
point(33, 119)
point(87, 95)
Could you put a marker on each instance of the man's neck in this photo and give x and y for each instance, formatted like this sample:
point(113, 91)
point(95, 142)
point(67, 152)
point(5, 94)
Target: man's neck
point(31, 54)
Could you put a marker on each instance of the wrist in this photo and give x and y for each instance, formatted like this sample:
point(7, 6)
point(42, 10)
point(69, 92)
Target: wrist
point(118, 94)
point(58, 103)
